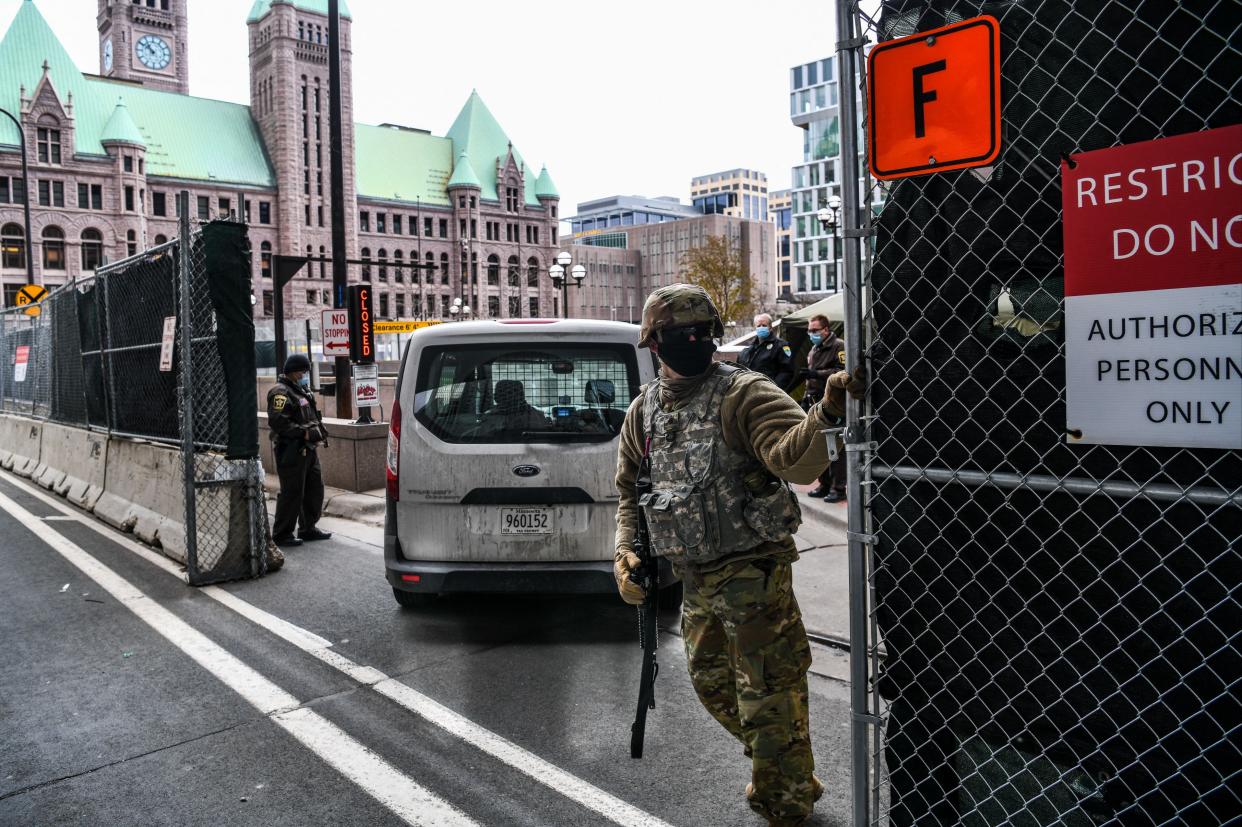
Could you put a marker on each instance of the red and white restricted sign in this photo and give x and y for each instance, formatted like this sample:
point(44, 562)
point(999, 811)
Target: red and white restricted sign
point(21, 358)
point(1153, 292)
point(335, 329)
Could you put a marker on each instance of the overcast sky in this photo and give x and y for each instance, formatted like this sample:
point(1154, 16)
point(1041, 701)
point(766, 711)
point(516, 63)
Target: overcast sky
point(631, 97)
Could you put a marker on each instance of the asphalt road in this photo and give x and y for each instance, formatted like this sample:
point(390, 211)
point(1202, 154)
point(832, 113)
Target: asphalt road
point(310, 697)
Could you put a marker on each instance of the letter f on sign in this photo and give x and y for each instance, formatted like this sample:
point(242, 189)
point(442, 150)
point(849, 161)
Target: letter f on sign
point(923, 97)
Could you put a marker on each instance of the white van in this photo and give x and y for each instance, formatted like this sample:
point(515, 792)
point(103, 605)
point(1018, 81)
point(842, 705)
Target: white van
point(502, 455)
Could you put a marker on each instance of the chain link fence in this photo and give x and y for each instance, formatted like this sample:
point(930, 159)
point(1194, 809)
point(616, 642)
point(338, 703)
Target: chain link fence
point(1043, 632)
point(98, 356)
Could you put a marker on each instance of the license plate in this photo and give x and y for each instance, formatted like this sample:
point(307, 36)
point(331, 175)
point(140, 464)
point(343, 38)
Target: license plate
point(525, 521)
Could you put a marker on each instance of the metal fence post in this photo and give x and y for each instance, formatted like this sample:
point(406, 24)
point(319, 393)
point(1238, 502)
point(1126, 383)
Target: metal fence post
point(854, 440)
point(186, 387)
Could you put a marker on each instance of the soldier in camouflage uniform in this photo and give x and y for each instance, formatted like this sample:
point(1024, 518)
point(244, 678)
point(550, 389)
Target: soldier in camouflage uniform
point(723, 444)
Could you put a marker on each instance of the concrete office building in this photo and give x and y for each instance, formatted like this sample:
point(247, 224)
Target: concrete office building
point(626, 262)
point(741, 193)
point(109, 152)
point(605, 214)
point(780, 214)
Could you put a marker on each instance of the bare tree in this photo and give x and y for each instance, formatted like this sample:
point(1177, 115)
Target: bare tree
point(717, 267)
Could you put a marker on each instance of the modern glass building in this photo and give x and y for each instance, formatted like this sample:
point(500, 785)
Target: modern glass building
point(813, 106)
point(742, 193)
point(780, 213)
point(603, 214)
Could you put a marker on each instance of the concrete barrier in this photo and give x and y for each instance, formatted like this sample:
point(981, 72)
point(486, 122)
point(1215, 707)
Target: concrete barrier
point(74, 460)
point(143, 493)
point(22, 440)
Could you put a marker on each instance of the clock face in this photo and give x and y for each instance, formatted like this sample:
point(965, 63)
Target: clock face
point(153, 52)
point(108, 55)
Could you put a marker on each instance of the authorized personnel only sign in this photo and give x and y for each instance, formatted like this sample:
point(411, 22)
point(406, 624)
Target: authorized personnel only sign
point(1153, 292)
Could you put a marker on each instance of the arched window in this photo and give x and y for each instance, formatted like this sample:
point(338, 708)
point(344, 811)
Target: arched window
point(444, 268)
point(515, 272)
point(493, 269)
point(431, 268)
point(163, 239)
point(265, 259)
point(474, 268)
point(13, 239)
point(414, 279)
point(92, 249)
point(323, 265)
point(532, 272)
point(131, 243)
point(366, 268)
point(383, 265)
point(398, 258)
point(53, 248)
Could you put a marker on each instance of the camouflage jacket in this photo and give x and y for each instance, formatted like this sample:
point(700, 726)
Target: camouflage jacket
point(757, 421)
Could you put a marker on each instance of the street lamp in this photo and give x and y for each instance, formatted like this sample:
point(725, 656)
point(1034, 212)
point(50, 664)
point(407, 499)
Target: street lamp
point(21, 135)
point(459, 309)
point(828, 223)
point(557, 272)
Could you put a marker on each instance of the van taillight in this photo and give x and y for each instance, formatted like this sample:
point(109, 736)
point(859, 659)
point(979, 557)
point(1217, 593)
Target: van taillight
point(393, 464)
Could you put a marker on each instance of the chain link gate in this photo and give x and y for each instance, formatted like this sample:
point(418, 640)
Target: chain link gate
point(1042, 632)
point(92, 359)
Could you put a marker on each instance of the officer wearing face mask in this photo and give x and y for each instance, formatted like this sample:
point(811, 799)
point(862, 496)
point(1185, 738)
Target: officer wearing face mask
point(296, 431)
point(722, 445)
point(769, 354)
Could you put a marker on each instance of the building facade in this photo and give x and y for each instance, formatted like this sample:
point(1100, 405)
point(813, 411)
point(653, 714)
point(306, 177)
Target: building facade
point(814, 107)
point(741, 193)
point(604, 215)
point(624, 264)
point(781, 215)
point(441, 217)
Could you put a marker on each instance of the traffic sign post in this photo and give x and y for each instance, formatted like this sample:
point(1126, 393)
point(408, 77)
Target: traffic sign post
point(934, 100)
point(29, 297)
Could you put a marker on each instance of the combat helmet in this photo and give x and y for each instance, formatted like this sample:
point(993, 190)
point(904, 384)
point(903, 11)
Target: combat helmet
point(678, 305)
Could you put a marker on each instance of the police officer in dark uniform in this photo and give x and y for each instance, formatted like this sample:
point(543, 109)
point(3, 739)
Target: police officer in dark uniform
point(769, 354)
point(827, 356)
point(296, 430)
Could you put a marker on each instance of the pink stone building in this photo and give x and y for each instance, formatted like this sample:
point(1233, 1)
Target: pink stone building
point(108, 153)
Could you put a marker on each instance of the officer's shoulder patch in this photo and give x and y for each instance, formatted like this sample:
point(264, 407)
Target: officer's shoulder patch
point(279, 401)
point(788, 352)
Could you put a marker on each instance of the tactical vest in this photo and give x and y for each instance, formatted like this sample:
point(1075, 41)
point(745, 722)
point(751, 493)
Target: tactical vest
point(707, 500)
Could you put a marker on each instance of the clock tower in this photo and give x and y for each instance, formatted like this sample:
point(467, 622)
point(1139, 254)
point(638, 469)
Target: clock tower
point(146, 41)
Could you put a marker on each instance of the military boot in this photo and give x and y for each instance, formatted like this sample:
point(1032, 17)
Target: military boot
point(817, 792)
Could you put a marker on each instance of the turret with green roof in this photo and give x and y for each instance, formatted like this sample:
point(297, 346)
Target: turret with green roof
point(464, 174)
point(544, 188)
point(121, 129)
point(262, 7)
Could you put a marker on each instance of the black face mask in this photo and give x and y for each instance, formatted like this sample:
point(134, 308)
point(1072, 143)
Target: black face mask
point(688, 355)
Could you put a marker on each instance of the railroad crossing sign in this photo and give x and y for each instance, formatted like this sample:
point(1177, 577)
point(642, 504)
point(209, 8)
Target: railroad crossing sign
point(934, 100)
point(29, 297)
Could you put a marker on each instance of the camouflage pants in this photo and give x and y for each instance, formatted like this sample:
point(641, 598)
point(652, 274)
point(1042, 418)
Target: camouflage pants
point(748, 657)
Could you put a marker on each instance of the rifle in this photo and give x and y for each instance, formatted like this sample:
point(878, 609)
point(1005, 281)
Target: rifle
point(646, 575)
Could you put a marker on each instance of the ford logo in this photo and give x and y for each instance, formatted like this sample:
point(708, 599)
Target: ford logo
point(526, 470)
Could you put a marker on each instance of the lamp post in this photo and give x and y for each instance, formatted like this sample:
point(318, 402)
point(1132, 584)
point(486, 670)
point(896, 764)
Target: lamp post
point(21, 135)
point(459, 310)
point(828, 223)
point(560, 273)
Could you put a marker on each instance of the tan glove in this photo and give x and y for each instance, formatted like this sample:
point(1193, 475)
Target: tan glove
point(631, 592)
point(841, 383)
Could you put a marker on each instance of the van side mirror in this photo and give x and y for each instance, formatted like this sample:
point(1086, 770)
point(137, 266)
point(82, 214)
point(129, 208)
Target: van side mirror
point(601, 391)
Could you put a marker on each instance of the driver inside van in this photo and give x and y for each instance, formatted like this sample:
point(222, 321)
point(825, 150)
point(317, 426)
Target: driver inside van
point(512, 412)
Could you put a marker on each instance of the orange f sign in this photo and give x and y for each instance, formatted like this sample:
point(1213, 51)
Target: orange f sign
point(934, 100)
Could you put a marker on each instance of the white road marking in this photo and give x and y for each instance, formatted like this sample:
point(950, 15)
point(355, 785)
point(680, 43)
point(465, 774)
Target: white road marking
point(576, 789)
point(382, 781)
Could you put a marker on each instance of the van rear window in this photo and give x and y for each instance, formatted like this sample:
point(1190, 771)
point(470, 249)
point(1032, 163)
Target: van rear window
point(525, 391)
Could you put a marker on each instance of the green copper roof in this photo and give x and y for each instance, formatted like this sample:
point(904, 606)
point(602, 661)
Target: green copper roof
point(463, 173)
point(402, 164)
point(477, 133)
point(262, 7)
point(121, 127)
point(544, 188)
point(170, 125)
